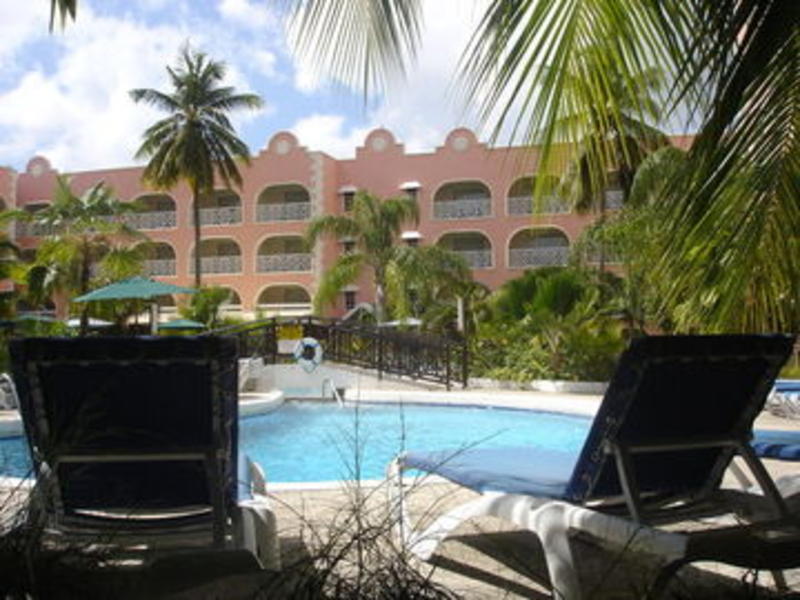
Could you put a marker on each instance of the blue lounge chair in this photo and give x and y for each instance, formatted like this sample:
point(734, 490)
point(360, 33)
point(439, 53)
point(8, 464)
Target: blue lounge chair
point(134, 441)
point(675, 413)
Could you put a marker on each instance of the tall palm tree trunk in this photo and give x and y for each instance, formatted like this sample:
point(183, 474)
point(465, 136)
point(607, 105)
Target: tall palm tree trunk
point(86, 265)
point(198, 276)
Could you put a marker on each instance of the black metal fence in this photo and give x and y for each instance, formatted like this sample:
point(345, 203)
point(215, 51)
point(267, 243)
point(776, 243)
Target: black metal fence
point(421, 356)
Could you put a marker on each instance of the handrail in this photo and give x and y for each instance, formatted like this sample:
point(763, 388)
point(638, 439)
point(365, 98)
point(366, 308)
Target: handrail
point(336, 395)
point(420, 356)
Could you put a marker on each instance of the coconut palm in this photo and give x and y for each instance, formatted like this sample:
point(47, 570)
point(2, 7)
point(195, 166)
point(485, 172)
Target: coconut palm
point(431, 283)
point(86, 230)
point(196, 142)
point(732, 65)
point(374, 225)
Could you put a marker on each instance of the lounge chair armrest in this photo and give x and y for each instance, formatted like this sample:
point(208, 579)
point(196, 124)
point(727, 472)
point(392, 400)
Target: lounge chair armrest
point(250, 479)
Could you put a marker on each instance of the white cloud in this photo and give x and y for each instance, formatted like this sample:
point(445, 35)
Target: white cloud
point(78, 112)
point(246, 13)
point(20, 23)
point(424, 107)
point(327, 133)
point(265, 62)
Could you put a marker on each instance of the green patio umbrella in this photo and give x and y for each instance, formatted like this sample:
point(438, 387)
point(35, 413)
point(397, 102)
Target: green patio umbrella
point(142, 288)
point(178, 324)
point(135, 287)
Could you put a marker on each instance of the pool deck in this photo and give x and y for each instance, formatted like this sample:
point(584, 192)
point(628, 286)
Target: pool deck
point(486, 558)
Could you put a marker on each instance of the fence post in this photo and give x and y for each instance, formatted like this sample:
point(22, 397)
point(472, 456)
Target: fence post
point(464, 362)
point(447, 363)
point(380, 354)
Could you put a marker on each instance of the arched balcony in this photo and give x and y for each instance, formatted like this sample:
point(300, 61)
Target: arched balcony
point(288, 300)
point(223, 207)
point(520, 200)
point(218, 256)
point(283, 253)
point(290, 202)
point(462, 200)
point(473, 246)
point(159, 259)
point(156, 211)
point(531, 248)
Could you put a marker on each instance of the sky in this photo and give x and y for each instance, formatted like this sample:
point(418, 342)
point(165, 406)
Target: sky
point(65, 95)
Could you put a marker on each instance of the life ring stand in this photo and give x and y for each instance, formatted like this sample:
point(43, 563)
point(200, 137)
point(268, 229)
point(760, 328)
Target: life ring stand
point(308, 353)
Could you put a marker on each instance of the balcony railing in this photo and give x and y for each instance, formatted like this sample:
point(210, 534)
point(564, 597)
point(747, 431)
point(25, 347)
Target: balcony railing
point(225, 215)
point(159, 266)
point(25, 229)
point(285, 211)
point(614, 199)
point(218, 264)
point(466, 208)
point(163, 219)
point(476, 259)
point(524, 205)
point(284, 262)
point(543, 256)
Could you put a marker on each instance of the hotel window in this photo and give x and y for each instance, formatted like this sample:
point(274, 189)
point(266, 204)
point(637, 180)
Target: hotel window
point(349, 300)
point(348, 247)
point(347, 201)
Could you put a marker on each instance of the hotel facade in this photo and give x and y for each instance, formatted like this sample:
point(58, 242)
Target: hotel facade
point(473, 199)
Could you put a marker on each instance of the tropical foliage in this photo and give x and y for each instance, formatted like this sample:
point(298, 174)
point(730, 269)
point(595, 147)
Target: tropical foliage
point(87, 240)
point(374, 226)
point(556, 323)
point(204, 306)
point(732, 66)
point(196, 142)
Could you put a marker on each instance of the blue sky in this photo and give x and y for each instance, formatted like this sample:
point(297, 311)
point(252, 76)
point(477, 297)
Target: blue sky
point(65, 95)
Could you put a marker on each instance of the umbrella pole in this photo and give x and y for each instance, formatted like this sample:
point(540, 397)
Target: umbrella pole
point(154, 318)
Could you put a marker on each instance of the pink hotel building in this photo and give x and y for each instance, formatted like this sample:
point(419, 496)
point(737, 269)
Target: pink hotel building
point(473, 199)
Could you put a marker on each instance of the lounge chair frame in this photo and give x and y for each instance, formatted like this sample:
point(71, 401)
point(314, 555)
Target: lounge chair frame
point(237, 514)
point(629, 520)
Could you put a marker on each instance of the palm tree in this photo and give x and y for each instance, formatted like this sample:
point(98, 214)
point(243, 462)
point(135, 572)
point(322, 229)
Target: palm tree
point(374, 225)
point(64, 8)
point(196, 142)
point(86, 229)
point(733, 65)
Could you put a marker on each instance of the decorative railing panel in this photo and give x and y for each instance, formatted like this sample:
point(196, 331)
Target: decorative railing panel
point(226, 215)
point(465, 208)
point(288, 211)
point(219, 264)
point(159, 266)
point(524, 205)
point(614, 199)
point(434, 358)
point(151, 220)
point(284, 262)
point(27, 229)
point(476, 259)
point(542, 256)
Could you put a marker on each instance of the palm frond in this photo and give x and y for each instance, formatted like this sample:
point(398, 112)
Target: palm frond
point(343, 272)
point(360, 42)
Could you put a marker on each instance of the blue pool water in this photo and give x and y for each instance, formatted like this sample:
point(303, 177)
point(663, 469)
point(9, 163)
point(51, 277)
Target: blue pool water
point(314, 441)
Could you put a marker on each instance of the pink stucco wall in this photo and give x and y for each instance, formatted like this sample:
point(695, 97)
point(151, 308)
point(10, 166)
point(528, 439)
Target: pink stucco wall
point(380, 166)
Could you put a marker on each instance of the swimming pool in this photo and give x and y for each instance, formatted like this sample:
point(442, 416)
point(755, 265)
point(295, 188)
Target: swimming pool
point(316, 441)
